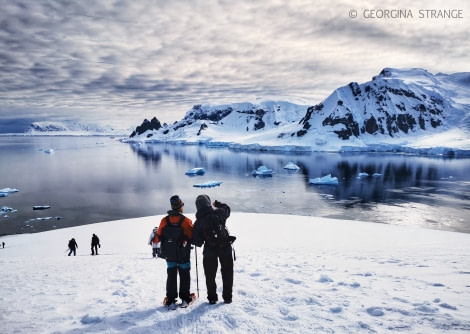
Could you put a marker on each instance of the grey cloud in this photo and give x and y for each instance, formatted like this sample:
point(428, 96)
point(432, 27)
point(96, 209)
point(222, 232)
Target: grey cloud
point(130, 58)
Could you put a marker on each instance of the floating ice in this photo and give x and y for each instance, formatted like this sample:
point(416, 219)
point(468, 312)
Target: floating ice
point(324, 180)
point(49, 151)
point(8, 190)
point(41, 207)
point(376, 174)
point(262, 171)
point(291, 166)
point(208, 184)
point(195, 171)
point(362, 174)
point(4, 210)
point(32, 220)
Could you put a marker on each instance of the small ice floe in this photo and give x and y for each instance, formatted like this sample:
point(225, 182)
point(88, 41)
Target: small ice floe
point(327, 179)
point(291, 166)
point(49, 151)
point(208, 184)
point(5, 191)
point(376, 174)
point(262, 171)
point(32, 220)
point(195, 171)
point(41, 207)
point(362, 174)
point(4, 210)
point(9, 190)
point(442, 178)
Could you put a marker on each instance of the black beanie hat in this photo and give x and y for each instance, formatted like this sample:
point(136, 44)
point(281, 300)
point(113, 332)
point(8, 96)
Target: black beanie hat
point(176, 202)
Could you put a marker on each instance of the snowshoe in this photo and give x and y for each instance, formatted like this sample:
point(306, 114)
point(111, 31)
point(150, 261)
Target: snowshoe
point(185, 304)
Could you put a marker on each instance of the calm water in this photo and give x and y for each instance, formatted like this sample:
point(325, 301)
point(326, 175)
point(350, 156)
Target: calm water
point(95, 179)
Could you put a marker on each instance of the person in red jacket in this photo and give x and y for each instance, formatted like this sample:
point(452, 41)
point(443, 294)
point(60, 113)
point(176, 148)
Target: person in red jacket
point(181, 264)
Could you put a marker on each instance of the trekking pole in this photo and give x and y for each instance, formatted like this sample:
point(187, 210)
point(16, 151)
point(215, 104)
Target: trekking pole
point(197, 274)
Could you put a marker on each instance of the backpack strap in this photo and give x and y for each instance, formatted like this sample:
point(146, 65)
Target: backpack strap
point(182, 218)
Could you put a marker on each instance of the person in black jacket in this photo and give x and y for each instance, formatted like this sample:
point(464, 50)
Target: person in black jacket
point(95, 243)
point(212, 255)
point(73, 247)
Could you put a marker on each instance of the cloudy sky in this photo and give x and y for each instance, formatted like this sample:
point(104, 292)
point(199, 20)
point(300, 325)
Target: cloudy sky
point(129, 60)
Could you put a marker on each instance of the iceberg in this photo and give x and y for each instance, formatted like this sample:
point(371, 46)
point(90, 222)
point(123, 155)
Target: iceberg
point(324, 180)
point(208, 184)
point(49, 151)
point(291, 166)
point(6, 209)
point(41, 207)
point(262, 171)
point(8, 190)
point(195, 171)
point(362, 174)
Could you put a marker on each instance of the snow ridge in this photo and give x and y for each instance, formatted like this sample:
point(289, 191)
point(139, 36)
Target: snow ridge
point(73, 128)
point(398, 109)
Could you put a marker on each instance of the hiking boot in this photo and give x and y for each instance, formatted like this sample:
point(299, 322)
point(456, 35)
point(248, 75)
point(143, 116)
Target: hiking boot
point(212, 302)
point(170, 304)
point(227, 301)
point(184, 304)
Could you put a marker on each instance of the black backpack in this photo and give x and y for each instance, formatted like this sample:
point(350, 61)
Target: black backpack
point(172, 238)
point(214, 232)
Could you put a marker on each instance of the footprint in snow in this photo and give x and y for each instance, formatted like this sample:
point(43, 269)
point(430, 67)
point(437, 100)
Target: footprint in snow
point(293, 281)
point(375, 311)
point(445, 305)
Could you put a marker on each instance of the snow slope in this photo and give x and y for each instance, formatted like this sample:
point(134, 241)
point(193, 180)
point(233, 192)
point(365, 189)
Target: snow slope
point(293, 274)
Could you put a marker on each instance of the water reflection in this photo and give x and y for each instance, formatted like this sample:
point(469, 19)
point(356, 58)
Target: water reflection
point(420, 187)
point(87, 182)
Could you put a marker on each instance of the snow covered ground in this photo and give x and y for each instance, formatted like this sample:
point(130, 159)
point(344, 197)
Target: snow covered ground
point(293, 274)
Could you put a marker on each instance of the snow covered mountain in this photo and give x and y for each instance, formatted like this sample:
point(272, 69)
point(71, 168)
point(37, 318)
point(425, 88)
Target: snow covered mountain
point(74, 128)
point(397, 109)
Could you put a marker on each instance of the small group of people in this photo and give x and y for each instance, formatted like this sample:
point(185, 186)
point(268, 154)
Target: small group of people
point(95, 244)
point(193, 234)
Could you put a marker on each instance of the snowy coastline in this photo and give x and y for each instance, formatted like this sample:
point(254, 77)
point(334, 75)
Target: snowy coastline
point(303, 275)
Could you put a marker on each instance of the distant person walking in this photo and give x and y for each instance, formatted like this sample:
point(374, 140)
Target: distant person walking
point(73, 247)
point(3, 244)
point(153, 241)
point(95, 243)
point(210, 230)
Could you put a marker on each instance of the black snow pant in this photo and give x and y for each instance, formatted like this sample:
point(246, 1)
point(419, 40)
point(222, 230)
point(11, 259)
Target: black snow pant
point(184, 271)
point(94, 249)
point(211, 261)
